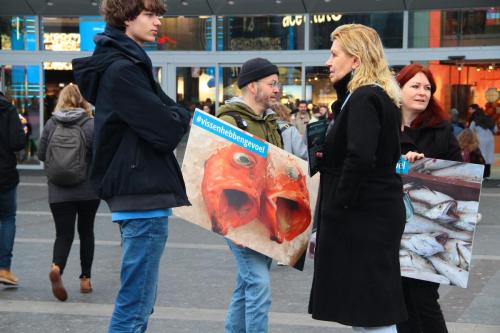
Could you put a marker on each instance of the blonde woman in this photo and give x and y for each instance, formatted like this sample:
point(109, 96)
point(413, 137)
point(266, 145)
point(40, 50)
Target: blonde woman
point(73, 202)
point(357, 279)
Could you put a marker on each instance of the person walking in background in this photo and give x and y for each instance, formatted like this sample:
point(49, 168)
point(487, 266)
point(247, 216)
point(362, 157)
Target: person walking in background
point(12, 140)
point(293, 142)
point(249, 308)
point(134, 169)
point(469, 144)
point(485, 128)
point(302, 117)
point(319, 113)
point(456, 124)
point(425, 132)
point(70, 128)
point(357, 279)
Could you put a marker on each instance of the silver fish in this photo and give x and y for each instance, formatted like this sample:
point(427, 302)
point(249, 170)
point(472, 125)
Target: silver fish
point(409, 259)
point(456, 275)
point(420, 225)
point(416, 273)
point(428, 196)
point(465, 225)
point(423, 244)
point(443, 212)
point(452, 253)
point(466, 171)
point(465, 254)
point(467, 206)
point(429, 165)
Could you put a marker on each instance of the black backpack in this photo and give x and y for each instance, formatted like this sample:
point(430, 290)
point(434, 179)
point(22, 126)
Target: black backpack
point(66, 157)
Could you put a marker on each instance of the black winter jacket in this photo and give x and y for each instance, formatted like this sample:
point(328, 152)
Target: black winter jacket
point(12, 139)
point(137, 127)
point(437, 141)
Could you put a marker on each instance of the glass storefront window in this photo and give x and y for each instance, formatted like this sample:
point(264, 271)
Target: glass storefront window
point(70, 33)
point(320, 88)
point(195, 87)
point(56, 76)
point(450, 28)
point(235, 33)
point(291, 85)
point(459, 85)
point(388, 25)
point(21, 84)
point(183, 33)
point(17, 33)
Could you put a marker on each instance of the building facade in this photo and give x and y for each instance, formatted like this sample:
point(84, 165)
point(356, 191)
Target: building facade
point(197, 58)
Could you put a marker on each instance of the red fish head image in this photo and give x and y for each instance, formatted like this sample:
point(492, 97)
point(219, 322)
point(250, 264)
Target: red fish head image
point(285, 208)
point(232, 184)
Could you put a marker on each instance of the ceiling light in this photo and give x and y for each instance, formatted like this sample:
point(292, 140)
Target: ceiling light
point(278, 2)
point(230, 2)
point(459, 67)
point(327, 1)
point(184, 2)
point(93, 3)
point(49, 3)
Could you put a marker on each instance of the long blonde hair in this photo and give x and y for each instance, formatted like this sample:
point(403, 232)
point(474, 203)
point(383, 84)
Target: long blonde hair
point(282, 111)
point(71, 98)
point(364, 43)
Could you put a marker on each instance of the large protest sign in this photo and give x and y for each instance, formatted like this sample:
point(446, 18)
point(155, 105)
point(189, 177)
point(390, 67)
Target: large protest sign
point(442, 203)
point(247, 190)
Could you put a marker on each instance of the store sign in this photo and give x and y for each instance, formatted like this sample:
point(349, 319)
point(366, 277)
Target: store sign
point(297, 20)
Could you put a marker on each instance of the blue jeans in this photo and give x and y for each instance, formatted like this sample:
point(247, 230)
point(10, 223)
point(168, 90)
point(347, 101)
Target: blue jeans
point(249, 308)
point(8, 208)
point(143, 242)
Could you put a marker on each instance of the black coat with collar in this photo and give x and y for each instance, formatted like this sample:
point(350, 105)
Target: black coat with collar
point(357, 279)
point(436, 141)
point(137, 127)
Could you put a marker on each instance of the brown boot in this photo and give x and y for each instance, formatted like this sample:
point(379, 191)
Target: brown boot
point(57, 284)
point(85, 286)
point(8, 278)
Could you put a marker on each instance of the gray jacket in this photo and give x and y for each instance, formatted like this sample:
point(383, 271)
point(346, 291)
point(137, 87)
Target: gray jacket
point(292, 140)
point(79, 192)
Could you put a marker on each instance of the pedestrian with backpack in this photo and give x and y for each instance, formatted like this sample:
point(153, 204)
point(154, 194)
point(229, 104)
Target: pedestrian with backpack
point(66, 149)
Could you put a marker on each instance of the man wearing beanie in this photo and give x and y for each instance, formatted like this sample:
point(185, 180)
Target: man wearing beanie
point(260, 88)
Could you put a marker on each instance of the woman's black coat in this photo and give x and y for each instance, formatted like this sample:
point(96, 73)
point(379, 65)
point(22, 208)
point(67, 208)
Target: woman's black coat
point(357, 277)
point(436, 141)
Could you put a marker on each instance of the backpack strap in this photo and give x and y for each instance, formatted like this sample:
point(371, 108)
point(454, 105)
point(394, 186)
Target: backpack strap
point(240, 122)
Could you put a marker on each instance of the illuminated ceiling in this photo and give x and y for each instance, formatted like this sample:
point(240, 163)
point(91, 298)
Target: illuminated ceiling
point(241, 7)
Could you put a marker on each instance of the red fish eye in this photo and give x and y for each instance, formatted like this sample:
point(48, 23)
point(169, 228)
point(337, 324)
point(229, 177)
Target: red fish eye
point(292, 173)
point(243, 160)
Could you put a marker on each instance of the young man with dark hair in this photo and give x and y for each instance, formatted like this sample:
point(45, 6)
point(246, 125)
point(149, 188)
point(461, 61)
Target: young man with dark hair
point(12, 139)
point(260, 88)
point(137, 128)
point(302, 117)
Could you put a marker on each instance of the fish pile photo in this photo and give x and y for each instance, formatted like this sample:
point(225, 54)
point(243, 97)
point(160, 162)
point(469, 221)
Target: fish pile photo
point(442, 210)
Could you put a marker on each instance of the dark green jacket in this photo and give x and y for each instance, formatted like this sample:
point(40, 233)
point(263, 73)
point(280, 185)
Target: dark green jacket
point(265, 127)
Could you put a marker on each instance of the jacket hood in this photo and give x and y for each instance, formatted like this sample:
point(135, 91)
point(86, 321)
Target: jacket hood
point(240, 105)
point(4, 103)
point(69, 115)
point(111, 45)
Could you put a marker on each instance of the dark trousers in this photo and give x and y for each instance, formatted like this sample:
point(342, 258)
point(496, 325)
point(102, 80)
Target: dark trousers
point(65, 214)
point(424, 312)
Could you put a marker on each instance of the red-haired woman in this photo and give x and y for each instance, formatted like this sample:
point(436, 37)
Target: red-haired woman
point(425, 132)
